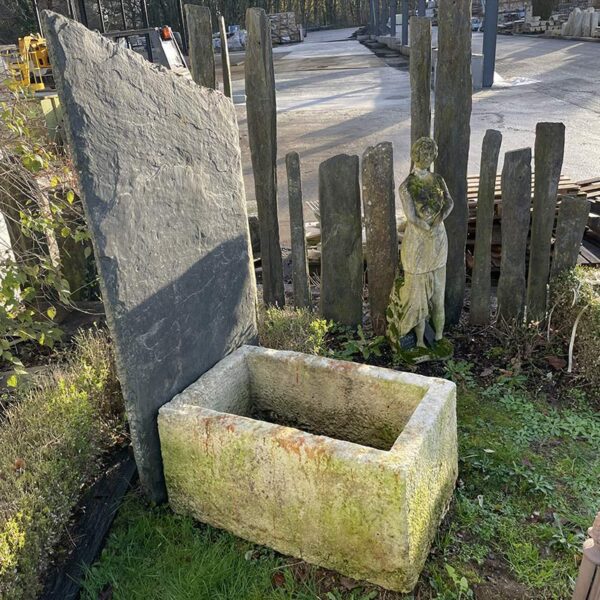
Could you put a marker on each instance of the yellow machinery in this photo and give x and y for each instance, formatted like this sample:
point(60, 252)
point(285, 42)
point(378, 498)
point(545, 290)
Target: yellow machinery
point(29, 65)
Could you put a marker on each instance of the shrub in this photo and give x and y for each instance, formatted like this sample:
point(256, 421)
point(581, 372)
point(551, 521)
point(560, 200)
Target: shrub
point(295, 329)
point(51, 439)
point(576, 294)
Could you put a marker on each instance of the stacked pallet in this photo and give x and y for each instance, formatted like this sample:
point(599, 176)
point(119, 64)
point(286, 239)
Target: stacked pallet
point(565, 187)
point(284, 28)
point(590, 248)
point(589, 188)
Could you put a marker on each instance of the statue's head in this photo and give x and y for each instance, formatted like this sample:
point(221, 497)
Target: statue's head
point(424, 152)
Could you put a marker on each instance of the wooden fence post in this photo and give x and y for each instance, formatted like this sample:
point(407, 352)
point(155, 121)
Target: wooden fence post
point(516, 207)
point(570, 227)
point(420, 78)
point(548, 156)
point(452, 132)
point(202, 57)
point(380, 227)
point(481, 278)
point(225, 64)
point(341, 240)
point(587, 586)
point(262, 136)
point(299, 260)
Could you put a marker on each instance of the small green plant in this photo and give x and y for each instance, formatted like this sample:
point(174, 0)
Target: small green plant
point(358, 345)
point(459, 371)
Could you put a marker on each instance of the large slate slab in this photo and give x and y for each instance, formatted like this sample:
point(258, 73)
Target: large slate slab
point(380, 227)
point(481, 280)
point(516, 208)
point(202, 57)
point(261, 110)
point(341, 240)
point(160, 172)
point(452, 132)
point(548, 155)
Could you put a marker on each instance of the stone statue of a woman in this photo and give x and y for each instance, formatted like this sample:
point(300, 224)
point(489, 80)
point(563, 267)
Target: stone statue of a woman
point(420, 295)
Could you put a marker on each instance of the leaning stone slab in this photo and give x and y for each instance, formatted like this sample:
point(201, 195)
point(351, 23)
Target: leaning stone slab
point(160, 172)
point(380, 227)
point(516, 208)
point(452, 133)
point(202, 57)
point(481, 280)
point(300, 278)
point(341, 240)
point(420, 78)
point(570, 227)
point(344, 465)
point(261, 108)
point(548, 155)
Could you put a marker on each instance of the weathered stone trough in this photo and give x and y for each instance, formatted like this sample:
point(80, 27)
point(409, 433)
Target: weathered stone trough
point(344, 465)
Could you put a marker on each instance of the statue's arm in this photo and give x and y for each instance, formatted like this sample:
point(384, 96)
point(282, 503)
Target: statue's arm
point(409, 208)
point(448, 202)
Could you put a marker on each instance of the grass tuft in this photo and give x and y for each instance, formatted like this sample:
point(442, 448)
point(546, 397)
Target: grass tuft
point(296, 329)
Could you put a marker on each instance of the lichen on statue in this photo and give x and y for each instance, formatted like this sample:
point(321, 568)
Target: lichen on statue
point(418, 296)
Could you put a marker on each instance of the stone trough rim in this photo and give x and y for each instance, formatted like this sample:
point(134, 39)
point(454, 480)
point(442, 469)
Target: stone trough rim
point(400, 455)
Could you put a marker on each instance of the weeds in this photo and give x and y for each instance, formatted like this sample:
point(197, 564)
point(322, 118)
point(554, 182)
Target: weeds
point(295, 329)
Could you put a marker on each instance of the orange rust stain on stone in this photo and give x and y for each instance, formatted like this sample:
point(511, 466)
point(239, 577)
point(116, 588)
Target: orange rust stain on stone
point(291, 444)
point(230, 428)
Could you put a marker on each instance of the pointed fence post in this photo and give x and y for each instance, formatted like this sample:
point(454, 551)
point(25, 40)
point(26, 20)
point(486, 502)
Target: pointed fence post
point(341, 240)
point(202, 56)
point(570, 227)
point(299, 259)
point(516, 208)
point(548, 157)
point(420, 78)
point(380, 226)
point(481, 284)
point(452, 133)
point(262, 136)
point(225, 64)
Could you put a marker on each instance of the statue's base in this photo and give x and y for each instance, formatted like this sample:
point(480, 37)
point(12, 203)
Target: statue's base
point(414, 355)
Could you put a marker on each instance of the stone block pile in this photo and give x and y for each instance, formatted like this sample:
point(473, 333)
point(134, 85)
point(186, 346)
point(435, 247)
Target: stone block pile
point(582, 23)
point(284, 29)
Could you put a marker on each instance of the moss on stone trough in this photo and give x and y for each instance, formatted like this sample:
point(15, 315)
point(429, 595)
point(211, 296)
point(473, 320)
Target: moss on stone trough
point(363, 493)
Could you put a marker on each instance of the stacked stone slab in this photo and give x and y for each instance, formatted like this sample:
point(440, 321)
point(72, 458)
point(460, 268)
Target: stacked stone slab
point(160, 172)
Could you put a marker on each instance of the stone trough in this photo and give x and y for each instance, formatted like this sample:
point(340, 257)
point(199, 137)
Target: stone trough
point(347, 466)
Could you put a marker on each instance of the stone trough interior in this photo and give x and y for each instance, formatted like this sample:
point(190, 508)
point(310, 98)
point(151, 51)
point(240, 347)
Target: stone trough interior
point(310, 396)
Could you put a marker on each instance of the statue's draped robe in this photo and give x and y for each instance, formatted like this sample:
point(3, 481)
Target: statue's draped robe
point(423, 254)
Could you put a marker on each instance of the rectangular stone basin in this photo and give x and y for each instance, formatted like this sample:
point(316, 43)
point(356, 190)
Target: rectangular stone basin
point(346, 466)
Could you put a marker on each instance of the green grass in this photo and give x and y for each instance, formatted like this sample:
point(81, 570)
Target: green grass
point(155, 554)
point(51, 439)
point(528, 490)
